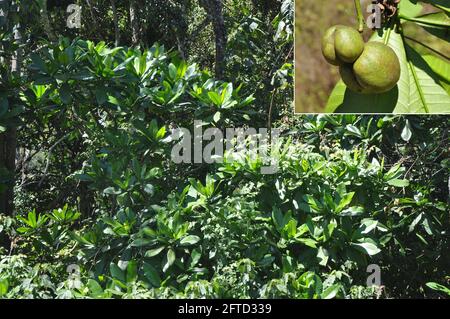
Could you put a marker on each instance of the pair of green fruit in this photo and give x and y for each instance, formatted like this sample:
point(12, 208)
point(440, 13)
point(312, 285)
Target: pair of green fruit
point(367, 68)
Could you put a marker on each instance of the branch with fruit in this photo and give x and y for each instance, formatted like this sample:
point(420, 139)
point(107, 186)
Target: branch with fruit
point(394, 72)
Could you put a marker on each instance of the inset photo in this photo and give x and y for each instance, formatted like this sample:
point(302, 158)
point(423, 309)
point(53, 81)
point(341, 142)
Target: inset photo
point(372, 56)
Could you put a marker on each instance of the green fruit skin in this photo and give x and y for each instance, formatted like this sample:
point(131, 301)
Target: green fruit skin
point(378, 68)
point(348, 77)
point(349, 44)
point(328, 49)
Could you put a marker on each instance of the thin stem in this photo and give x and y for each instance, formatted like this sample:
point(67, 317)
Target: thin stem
point(360, 15)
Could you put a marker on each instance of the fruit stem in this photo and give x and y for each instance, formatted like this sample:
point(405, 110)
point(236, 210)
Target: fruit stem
point(360, 15)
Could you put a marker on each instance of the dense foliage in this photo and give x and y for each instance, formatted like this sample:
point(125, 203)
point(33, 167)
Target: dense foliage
point(103, 211)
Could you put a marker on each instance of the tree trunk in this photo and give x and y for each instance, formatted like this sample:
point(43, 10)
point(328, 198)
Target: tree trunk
point(8, 140)
point(181, 28)
point(8, 143)
point(46, 22)
point(134, 21)
point(85, 202)
point(93, 26)
point(214, 9)
point(116, 24)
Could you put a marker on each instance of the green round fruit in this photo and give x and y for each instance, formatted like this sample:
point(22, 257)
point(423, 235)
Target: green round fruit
point(328, 49)
point(349, 44)
point(377, 70)
point(342, 44)
point(348, 77)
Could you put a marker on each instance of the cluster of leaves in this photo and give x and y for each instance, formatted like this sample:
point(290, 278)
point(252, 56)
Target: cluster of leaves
point(85, 96)
point(57, 124)
point(308, 231)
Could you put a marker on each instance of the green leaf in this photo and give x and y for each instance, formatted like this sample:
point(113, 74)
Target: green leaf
point(409, 9)
point(195, 257)
point(111, 191)
point(227, 92)
point(215, 98)
point(331, 291)
point(345, 201)
point(169, 260)
point(437, 19)
point(406, 132)
point(353, 130)
point(100, 95)
point(38, 62)
point(64, 93)
point(4, 286)
point(117, 273)
point(278, 218)
point(189, 240)
point(323, 256)
point(352, 211)
point(435, 286)
point(398, 182)
point(307, 242)
point(154, 252)
point(4, 105)
point(152, 275)
point(141, 242)
point(369, 248)
point(216, 117)
point(172, 71)
point(132, 271)
point(426, 95)
point(439, 66)
point(96, 291)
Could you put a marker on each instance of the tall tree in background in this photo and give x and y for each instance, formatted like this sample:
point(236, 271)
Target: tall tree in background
point(214, 9)
point(46, 21)
point(8, 139)
point(134, 21)
point(116, 23)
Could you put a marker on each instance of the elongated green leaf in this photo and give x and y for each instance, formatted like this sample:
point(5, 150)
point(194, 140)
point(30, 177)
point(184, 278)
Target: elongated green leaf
point(426, 95)
point(132, 271)
point(442, 4)
point(4, 286)
point(94, 288)
point(439, 66)
point(439, 19)
point(331, 291)
point(410, 9)
point(440, 32)
point(154, 252)
point(169, 260)
point(152, 275)
point(345, 201)
point(189, 240)
point(215, 98)
point(398, 182)
point(116, 272)
point(368, 248)
point(438, 287)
